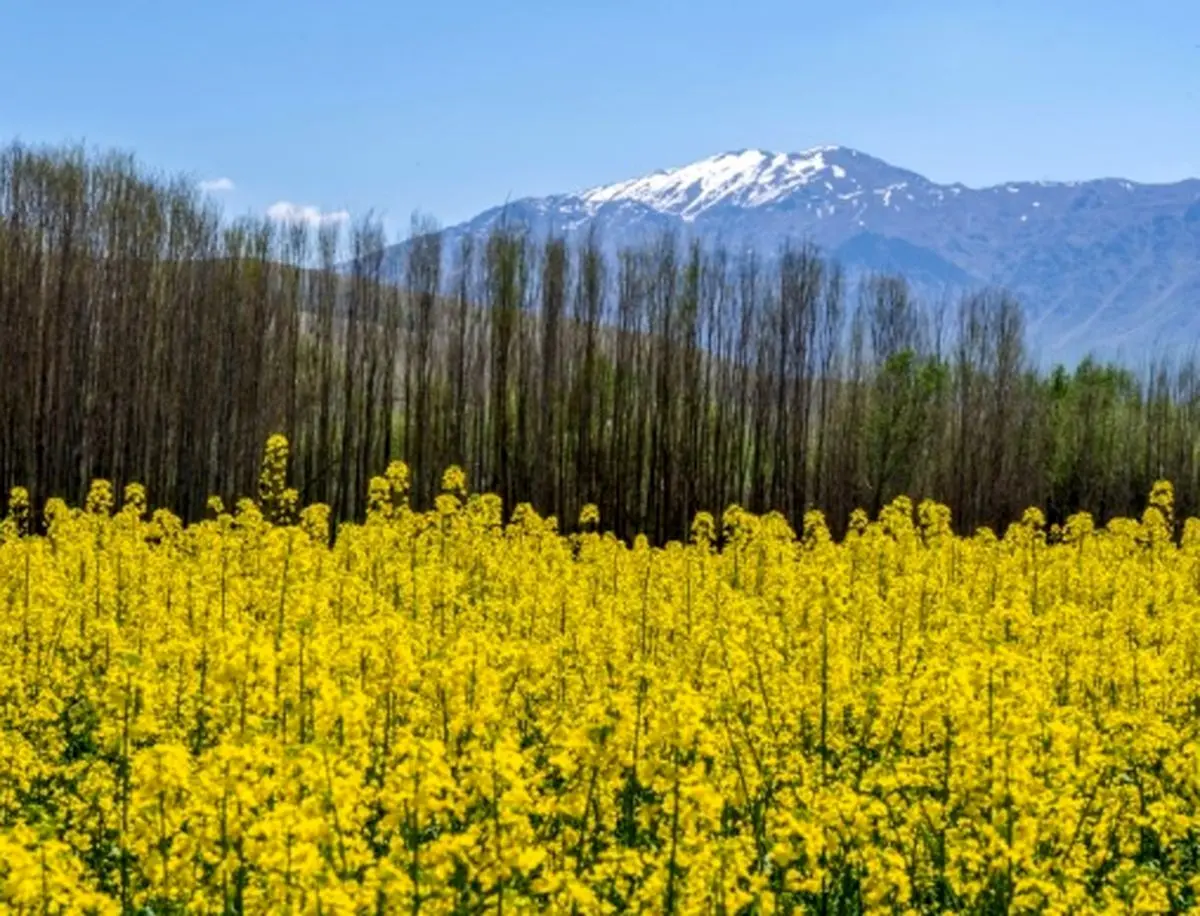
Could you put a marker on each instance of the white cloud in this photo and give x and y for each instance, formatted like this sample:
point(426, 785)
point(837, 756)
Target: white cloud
point(217, 184)
point(288, 212)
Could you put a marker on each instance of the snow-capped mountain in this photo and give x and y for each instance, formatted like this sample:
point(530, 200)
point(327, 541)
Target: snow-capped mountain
point(751, 178)
point(1109, 265)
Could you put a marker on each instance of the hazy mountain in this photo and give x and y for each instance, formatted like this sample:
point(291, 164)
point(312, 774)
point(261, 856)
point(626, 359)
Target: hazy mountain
point(1108, 265)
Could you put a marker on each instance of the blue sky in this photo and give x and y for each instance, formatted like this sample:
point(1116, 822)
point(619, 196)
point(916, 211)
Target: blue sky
point(452, 107)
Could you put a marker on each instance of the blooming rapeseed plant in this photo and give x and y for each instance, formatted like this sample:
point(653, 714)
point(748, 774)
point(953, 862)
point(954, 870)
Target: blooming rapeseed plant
point(436, 712)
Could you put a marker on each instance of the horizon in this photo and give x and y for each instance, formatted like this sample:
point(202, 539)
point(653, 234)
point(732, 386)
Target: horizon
point(218, 188)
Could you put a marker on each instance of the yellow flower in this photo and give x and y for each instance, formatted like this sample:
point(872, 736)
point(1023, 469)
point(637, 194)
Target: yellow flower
point(435, 710)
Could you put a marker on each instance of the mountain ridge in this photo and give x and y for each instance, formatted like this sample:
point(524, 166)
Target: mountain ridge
point(1104, 265)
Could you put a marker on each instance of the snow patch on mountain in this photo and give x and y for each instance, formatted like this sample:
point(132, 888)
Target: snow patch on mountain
point(746, 178)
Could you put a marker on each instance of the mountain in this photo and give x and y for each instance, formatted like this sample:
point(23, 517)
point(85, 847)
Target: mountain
point(1106, 266)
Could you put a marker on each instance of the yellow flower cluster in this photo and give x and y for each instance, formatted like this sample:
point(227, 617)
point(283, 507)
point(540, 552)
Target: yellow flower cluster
point(441, 713)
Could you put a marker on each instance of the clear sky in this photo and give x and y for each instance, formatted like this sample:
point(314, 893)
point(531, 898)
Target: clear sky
point(451, 107)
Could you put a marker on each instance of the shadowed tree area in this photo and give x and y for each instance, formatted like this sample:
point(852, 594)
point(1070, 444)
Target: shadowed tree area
point(147, 338)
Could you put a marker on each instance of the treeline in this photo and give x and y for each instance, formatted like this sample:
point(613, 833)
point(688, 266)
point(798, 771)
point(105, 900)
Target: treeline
point(145, 337)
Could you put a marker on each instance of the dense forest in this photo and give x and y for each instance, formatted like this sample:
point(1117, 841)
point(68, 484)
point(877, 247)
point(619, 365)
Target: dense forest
point(147, 337)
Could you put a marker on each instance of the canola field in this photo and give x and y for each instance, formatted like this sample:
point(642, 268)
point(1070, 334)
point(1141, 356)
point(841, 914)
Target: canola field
point(441, 713)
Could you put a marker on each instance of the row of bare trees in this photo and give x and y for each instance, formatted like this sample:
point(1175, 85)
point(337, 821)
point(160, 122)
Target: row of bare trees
point(145, 337)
